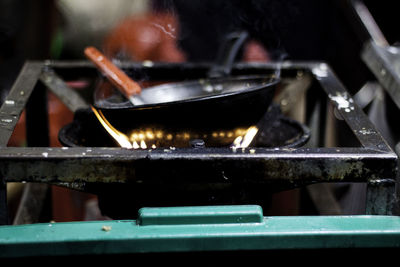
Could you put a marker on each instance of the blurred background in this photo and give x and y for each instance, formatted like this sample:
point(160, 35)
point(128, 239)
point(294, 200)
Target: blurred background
point(173, 31)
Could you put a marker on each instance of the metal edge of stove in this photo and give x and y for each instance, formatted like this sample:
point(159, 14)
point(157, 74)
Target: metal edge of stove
point(374, 162)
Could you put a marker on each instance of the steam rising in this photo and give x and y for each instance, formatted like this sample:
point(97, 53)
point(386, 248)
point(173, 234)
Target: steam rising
point(170, 31)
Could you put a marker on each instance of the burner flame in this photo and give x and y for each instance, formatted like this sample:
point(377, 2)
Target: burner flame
point(121, 138)
point(243, 141)
point(153, 138)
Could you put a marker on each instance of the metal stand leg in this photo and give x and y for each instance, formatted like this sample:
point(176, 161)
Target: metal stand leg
point(380, 197)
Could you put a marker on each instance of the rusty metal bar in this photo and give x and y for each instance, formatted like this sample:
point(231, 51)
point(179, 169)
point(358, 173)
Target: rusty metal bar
point(362, 127)
point(68, 96)
point(200, 165)
point(17, 98)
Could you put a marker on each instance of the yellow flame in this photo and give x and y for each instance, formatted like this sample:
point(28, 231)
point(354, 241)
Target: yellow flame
point(244, 141)
point(137, 140)
point(135, 145)
point(237, 141)
point(121, 138)
point(143, 144)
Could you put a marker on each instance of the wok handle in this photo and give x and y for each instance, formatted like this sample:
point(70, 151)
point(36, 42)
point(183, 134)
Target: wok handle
point(227, 54)
point(114, 74)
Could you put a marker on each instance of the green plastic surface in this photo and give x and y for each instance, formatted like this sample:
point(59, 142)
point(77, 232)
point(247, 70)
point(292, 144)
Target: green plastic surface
point(200, 215)
point(153, 235)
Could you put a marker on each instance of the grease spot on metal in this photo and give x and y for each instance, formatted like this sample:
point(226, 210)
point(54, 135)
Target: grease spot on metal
point(343, 101)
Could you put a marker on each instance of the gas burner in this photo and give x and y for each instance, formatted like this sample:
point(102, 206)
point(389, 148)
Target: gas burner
point(279, 132)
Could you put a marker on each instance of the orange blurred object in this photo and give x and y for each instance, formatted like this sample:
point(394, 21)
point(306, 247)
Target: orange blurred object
point(255, 52)
point(18, 137)
point(147, 37)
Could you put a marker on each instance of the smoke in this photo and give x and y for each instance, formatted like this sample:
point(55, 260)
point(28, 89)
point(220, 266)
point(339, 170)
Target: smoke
point(204, 23)
point(282, 56)
point(168, 30)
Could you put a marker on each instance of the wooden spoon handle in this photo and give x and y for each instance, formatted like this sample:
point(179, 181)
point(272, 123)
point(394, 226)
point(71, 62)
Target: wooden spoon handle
point(114, 74)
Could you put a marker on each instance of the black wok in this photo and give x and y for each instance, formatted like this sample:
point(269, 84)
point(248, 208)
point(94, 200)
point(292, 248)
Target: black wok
point(219, 100)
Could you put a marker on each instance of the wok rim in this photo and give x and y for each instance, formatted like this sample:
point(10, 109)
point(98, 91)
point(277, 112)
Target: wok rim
point(271, 83)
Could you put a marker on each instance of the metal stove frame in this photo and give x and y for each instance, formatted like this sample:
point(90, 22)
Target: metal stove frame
point(373, 162)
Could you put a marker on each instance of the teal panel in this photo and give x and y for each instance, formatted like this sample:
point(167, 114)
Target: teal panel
point(200, 215)
point(116, 237)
